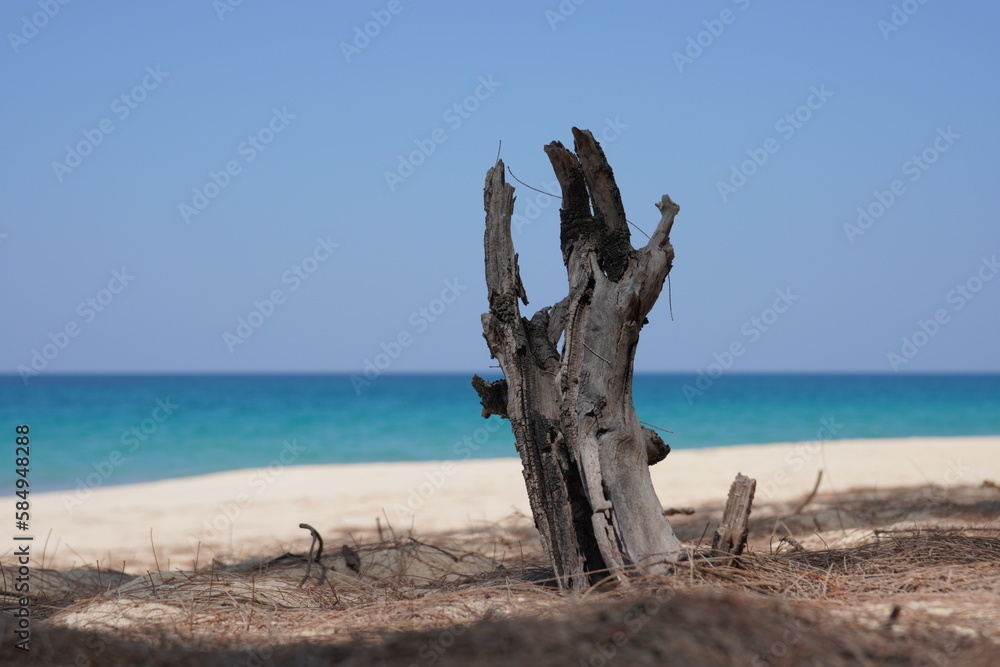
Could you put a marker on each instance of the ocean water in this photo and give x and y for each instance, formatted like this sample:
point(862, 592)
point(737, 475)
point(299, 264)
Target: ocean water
point(98, 430)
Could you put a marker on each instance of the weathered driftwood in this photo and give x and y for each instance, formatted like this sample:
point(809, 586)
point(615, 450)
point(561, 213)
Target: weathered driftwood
point(585, 454)
point(731, 535)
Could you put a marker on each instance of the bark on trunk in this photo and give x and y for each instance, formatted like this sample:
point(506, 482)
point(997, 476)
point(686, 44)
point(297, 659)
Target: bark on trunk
point(585, 454)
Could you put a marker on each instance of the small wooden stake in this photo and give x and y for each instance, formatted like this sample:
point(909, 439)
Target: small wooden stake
point(731, 535)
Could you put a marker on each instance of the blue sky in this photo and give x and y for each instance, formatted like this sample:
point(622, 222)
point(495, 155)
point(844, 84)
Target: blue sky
point(172, 168)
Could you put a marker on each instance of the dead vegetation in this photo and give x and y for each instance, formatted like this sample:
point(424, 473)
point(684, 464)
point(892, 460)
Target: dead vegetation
point(905, 577)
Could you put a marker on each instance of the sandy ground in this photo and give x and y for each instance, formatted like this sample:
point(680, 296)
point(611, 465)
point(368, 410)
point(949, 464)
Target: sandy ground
point(243, 513)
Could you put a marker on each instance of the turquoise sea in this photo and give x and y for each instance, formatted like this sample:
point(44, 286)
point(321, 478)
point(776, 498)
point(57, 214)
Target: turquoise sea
point(98, 430)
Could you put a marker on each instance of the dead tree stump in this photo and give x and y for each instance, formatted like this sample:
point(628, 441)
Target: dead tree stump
point(584, 452)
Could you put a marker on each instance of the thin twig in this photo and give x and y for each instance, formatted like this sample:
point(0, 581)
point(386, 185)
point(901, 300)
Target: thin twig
point(431, 546)
point(598, 356)
point(670, 298)
point(121, 576)
point(153, 546)
point(319, 554)
point(152, 583)
point(528, 186)
point(812, 494)
point(388, 524)
point(558, 197)
point(639, 228)
point(893, 617)
point(654, 425)
point(703, 533)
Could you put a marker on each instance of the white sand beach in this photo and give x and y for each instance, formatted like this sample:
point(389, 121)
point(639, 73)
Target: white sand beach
point(244, 513)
